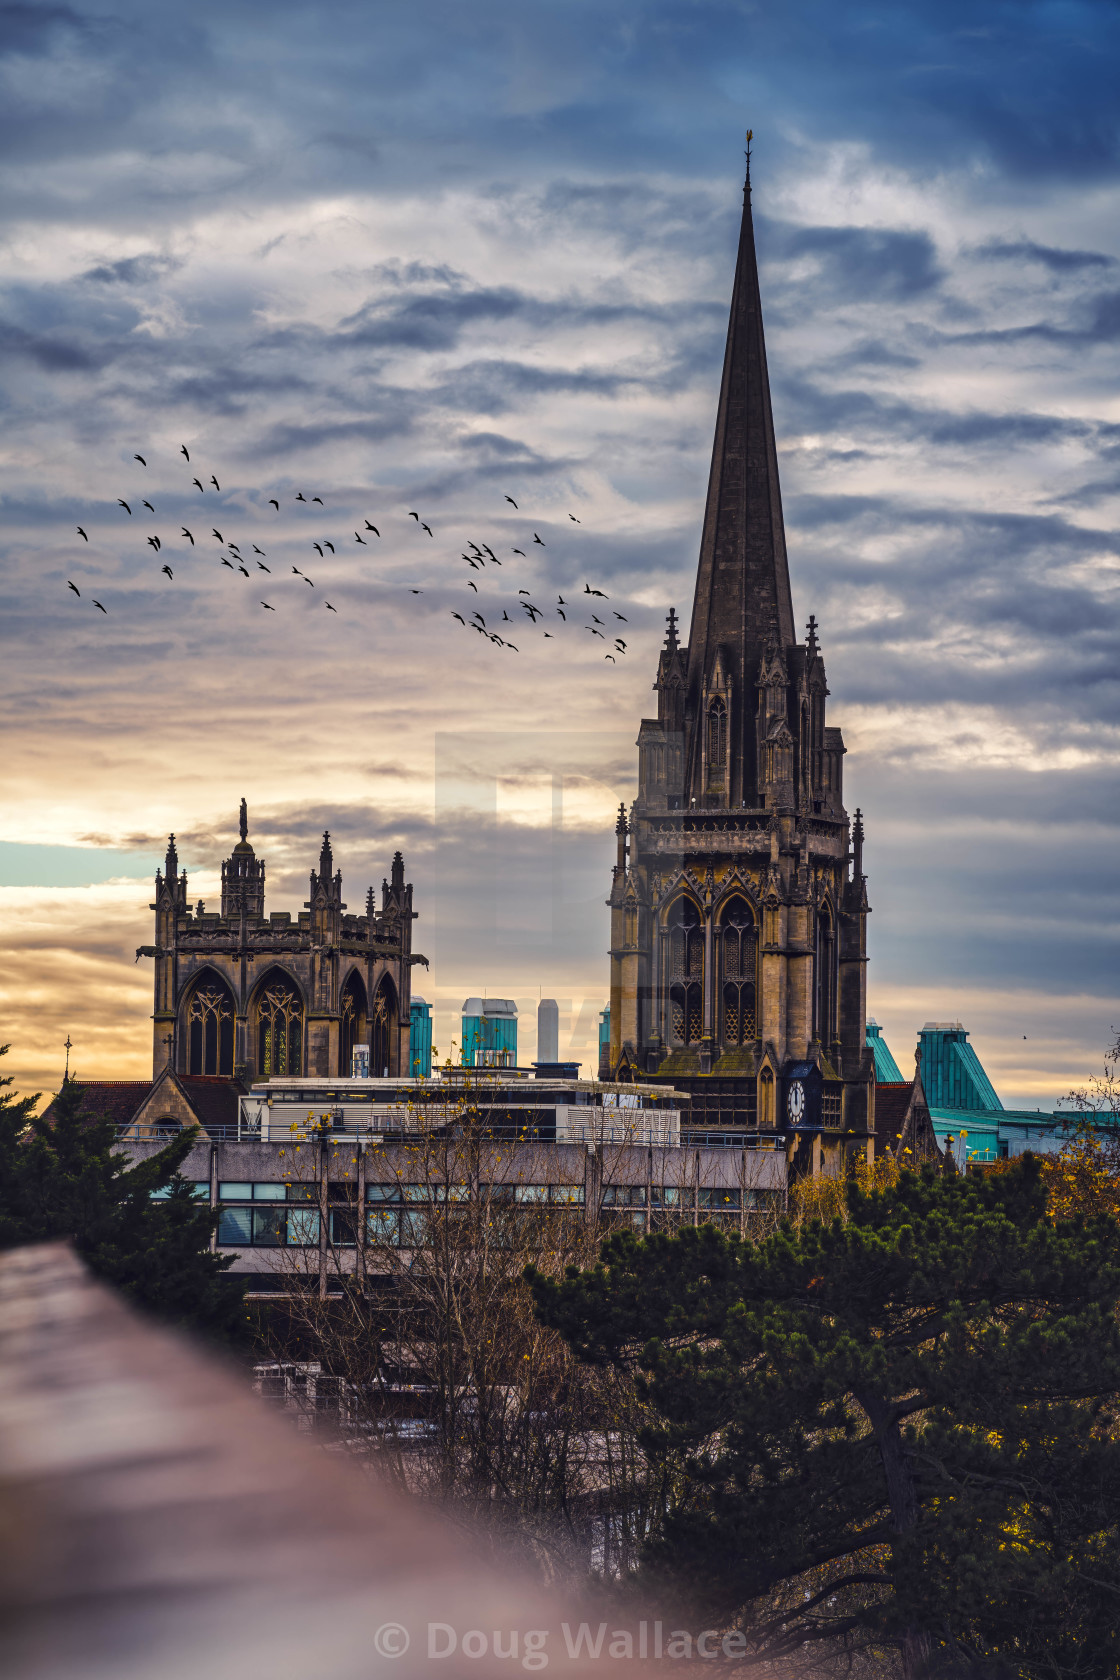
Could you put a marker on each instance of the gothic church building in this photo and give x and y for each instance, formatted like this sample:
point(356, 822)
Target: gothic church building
point(239, 994)
point(738, 903)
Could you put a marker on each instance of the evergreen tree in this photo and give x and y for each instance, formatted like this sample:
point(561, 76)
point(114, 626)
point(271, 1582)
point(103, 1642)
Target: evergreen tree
point(895, 1430)
point(63, 1179)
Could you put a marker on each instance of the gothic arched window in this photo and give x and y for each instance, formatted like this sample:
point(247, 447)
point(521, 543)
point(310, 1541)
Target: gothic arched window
point(739, 939)
point(352, 1027)
point(686, 972)
point(717, 735)
point(383, 1022)
point(824, 1011)
point(279, 1029)
point(210, 1028)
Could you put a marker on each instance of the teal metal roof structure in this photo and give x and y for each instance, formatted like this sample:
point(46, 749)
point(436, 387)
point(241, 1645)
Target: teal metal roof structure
point(952, 1074)
point(886, 1068)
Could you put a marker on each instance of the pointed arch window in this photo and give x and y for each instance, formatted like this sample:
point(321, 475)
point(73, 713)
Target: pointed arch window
point(824, 1001)
point(279, 1030)
point(717, 736)
point(739, 942)
point(383, 1022)
point(686, 973)
point(352, 1025)
point(210, 1028)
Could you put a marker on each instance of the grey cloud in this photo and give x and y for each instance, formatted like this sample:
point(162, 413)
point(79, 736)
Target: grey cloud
point(1050, 256)
point(856, 262)
point(132, 271)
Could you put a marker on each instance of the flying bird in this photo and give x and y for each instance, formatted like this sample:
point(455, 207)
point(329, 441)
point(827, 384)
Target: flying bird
point(611, 657)
point(497, 639)
point(459, 616)
point(520, 551)
point(415, 516)
point(473, 564)
point(416, 592)
point(537, 539)
point(620, 615)
point(594, 632)
point(169, 572)
point(548, 634)
point(201, 491)
point(472, 585)
point(234, 548)
point(300, 497)
point(524, 591)
point(561, 600)
point(587, 590)
point(243, 572)
point(360, 539)
point(217, 534)
point(372, 528)
point(226, 562)
point(261, 567)
point(318, 499)
point(331, 609)
point(122, 503)
point(563, 615)
point(149, 507)
point(318, 550)
point(480, 618)
point(514, 649)
point(597, 620)
point(154, 542)
point(272, 502)
point(297, 571)
point(329, 545)
point(183, 450)
point(427, 528)
point(491, 553)
point(511, 501)
point(100, 608)
point(215, 483)
point(77, 591)
point(187, 534)
point(620, 644)
point(576, 521)
point(141, 460)
point(505, 615)
point(266, 607)
point(80, 532)
point(255, 549)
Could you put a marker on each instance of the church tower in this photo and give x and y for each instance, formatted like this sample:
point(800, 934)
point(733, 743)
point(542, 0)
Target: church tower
point(738, 903)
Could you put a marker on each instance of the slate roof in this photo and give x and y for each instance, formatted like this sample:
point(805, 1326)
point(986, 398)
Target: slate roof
point(213, 1099)
point(892, 1099)
point(118, 1098)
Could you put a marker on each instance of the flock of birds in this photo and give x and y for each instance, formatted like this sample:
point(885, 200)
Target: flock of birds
point(528, 615)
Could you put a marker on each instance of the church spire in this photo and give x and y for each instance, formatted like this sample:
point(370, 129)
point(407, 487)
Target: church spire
point(742, 586)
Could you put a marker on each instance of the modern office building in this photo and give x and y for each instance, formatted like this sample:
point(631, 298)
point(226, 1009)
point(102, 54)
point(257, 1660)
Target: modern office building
point(489, 1033)
point(420, 1038)
point(323, 1176)
point(964, 1107)
point(548, 1030)
point(886, 1068)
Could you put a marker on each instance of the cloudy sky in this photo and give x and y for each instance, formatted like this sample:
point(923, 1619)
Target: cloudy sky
point(428, 256)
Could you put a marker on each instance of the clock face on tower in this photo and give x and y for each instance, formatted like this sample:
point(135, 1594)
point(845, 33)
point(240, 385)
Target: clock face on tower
point(795, 1101)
